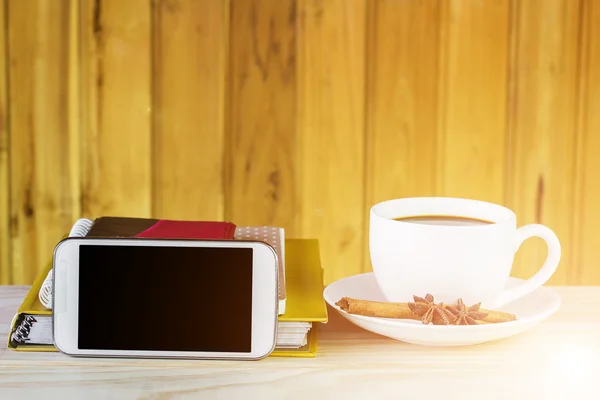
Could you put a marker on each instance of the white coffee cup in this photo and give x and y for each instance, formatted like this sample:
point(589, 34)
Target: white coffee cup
point(472, 262)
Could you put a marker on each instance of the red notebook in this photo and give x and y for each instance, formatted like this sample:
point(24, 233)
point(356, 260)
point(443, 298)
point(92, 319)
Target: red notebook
point(160, 228)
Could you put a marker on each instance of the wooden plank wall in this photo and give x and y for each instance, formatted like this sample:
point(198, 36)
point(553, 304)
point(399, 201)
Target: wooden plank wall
point(189, 48)
point(542, 135)
point(5, 231)
point(298, 113)
point(42, 131)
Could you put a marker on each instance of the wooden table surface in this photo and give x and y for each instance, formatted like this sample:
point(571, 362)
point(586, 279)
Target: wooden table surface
point(558, 359)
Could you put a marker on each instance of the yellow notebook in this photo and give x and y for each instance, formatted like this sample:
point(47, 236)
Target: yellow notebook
point(31, 326)
point(304, 285)
point(30, 312)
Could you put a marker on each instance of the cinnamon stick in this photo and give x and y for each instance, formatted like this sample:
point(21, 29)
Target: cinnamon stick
point(402, 311)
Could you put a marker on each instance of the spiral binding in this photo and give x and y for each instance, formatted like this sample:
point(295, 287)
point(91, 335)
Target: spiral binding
point(79, 229)
point(21, 332)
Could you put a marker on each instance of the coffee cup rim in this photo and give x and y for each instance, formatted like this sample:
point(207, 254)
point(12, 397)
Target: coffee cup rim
point(508, 215)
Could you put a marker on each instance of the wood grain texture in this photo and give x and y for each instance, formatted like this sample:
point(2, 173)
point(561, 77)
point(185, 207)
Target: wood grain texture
point(402, 102)
point(541, 135)
point(189, 39)
point(5, 265)
point(116, 142)
point(331, 76)
point(558, 359)
point(42, 137)
point(298, 113)
point(261, 149)
point(473, 58)
point(74, 107)
point(586, 218)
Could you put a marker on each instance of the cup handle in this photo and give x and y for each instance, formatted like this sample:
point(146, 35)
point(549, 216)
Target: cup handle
point(547, 270)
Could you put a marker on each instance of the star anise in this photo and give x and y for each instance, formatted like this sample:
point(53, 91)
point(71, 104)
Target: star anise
point(466, 315)
point(431, 312)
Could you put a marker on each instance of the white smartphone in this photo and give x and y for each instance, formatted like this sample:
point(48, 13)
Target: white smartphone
point(164, 298)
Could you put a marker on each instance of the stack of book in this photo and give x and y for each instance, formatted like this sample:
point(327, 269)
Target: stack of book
point(301, 303)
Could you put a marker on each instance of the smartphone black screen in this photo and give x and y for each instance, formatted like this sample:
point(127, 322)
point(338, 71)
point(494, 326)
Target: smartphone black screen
point(165, 298)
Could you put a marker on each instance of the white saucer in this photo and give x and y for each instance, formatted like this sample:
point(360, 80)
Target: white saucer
point(530, 310)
